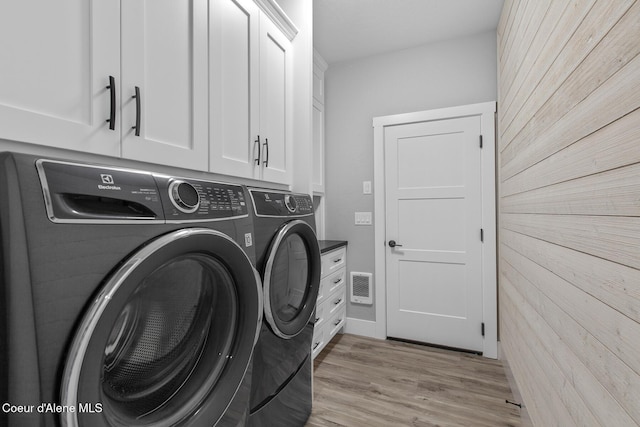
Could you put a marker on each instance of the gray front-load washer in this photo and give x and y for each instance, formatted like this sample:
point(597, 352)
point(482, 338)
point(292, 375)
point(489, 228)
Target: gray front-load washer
point(129, 298)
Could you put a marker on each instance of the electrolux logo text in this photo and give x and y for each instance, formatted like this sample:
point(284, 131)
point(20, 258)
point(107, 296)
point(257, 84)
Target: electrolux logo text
point(108, 179)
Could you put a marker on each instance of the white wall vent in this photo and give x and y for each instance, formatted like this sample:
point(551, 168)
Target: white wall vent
point(361, 288)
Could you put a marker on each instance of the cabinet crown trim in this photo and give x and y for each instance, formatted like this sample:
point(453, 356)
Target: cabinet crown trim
point(277, 15)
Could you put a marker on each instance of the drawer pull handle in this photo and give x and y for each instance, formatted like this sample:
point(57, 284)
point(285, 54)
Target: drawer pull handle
point(338, 301)
point(316, 320)
point(112, 109)
point(337, 322)
point(257, 144)
point(136, 128)
point(316, 345)
point(335, 261)
point(266, 157)
point(335, 282)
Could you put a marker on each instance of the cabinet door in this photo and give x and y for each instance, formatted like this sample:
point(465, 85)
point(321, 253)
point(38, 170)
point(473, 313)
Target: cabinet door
point(318, 147)
point(275, 103)
point(164, 54)
point(234, 96)
point(55, 61)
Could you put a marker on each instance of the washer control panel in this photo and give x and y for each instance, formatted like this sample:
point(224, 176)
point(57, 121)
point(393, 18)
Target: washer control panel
point(198, 200)
point(76, 192)
point(291, 203)
point(184, 196)
point(281, 204)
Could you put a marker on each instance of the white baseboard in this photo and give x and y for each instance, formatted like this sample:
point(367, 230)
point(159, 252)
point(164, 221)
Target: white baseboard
point(361, 327)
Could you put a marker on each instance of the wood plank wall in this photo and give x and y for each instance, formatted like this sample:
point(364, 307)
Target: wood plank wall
point(569, 208)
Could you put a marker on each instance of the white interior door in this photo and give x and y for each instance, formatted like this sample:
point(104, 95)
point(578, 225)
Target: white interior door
point(434, 214)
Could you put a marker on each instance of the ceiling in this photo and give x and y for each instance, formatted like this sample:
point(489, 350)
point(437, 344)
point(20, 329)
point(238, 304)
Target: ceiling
point(349, 29)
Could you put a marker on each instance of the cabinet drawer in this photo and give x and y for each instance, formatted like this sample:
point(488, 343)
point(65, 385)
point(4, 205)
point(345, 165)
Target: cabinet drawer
point(322, 292)
point(335, 280)
point(318, 342)
point(333, 261)
point(329, 305)
point(335, 301)
point(334, 324)
point(330, 283)
point(321, 315)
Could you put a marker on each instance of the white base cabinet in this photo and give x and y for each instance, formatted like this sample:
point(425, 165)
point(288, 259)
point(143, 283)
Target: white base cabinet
point(331, 307)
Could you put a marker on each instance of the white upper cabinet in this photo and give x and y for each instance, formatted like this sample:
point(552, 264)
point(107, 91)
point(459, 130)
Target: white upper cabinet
point(202, 84)
point(164, 59)
point(235, 109)
point(317, 175)
point(58, 60)
point(55, 61)
point(276, 127)
point(319, 67)
point(251, 93)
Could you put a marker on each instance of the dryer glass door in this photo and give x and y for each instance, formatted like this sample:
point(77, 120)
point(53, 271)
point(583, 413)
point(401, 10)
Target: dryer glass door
point(169, 337)
point(291, 278)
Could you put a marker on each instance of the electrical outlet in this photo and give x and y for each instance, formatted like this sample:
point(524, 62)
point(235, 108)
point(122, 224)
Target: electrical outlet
point(363, 218)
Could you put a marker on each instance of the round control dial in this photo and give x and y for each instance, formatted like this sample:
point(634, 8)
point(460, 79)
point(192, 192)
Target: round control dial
point(184, 196)
point(291, 203)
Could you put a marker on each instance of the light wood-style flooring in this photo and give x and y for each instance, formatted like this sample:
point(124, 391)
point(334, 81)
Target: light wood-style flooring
point(361, 381)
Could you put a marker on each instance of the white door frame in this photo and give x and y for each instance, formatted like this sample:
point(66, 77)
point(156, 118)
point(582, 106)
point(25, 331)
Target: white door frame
point(486, 112)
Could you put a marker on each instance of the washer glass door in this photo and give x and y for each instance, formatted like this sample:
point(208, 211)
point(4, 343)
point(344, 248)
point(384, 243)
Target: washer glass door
point(170, 335)
point(291, 278)
point(160, 334)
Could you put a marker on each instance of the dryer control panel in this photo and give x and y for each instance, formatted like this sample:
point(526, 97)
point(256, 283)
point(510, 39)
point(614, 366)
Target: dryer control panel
point(281, 204)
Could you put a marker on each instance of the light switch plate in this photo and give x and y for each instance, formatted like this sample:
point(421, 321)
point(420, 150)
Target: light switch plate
point(363, 218)
point(366, 187)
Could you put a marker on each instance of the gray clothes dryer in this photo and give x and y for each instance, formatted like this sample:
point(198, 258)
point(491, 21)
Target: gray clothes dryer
point(288, 258)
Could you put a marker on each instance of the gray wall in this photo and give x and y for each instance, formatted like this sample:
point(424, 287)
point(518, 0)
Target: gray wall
point(443, 74)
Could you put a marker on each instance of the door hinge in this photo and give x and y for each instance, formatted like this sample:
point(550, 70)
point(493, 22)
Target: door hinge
point(480, 141)
point(482, 235)
point(482, 329)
